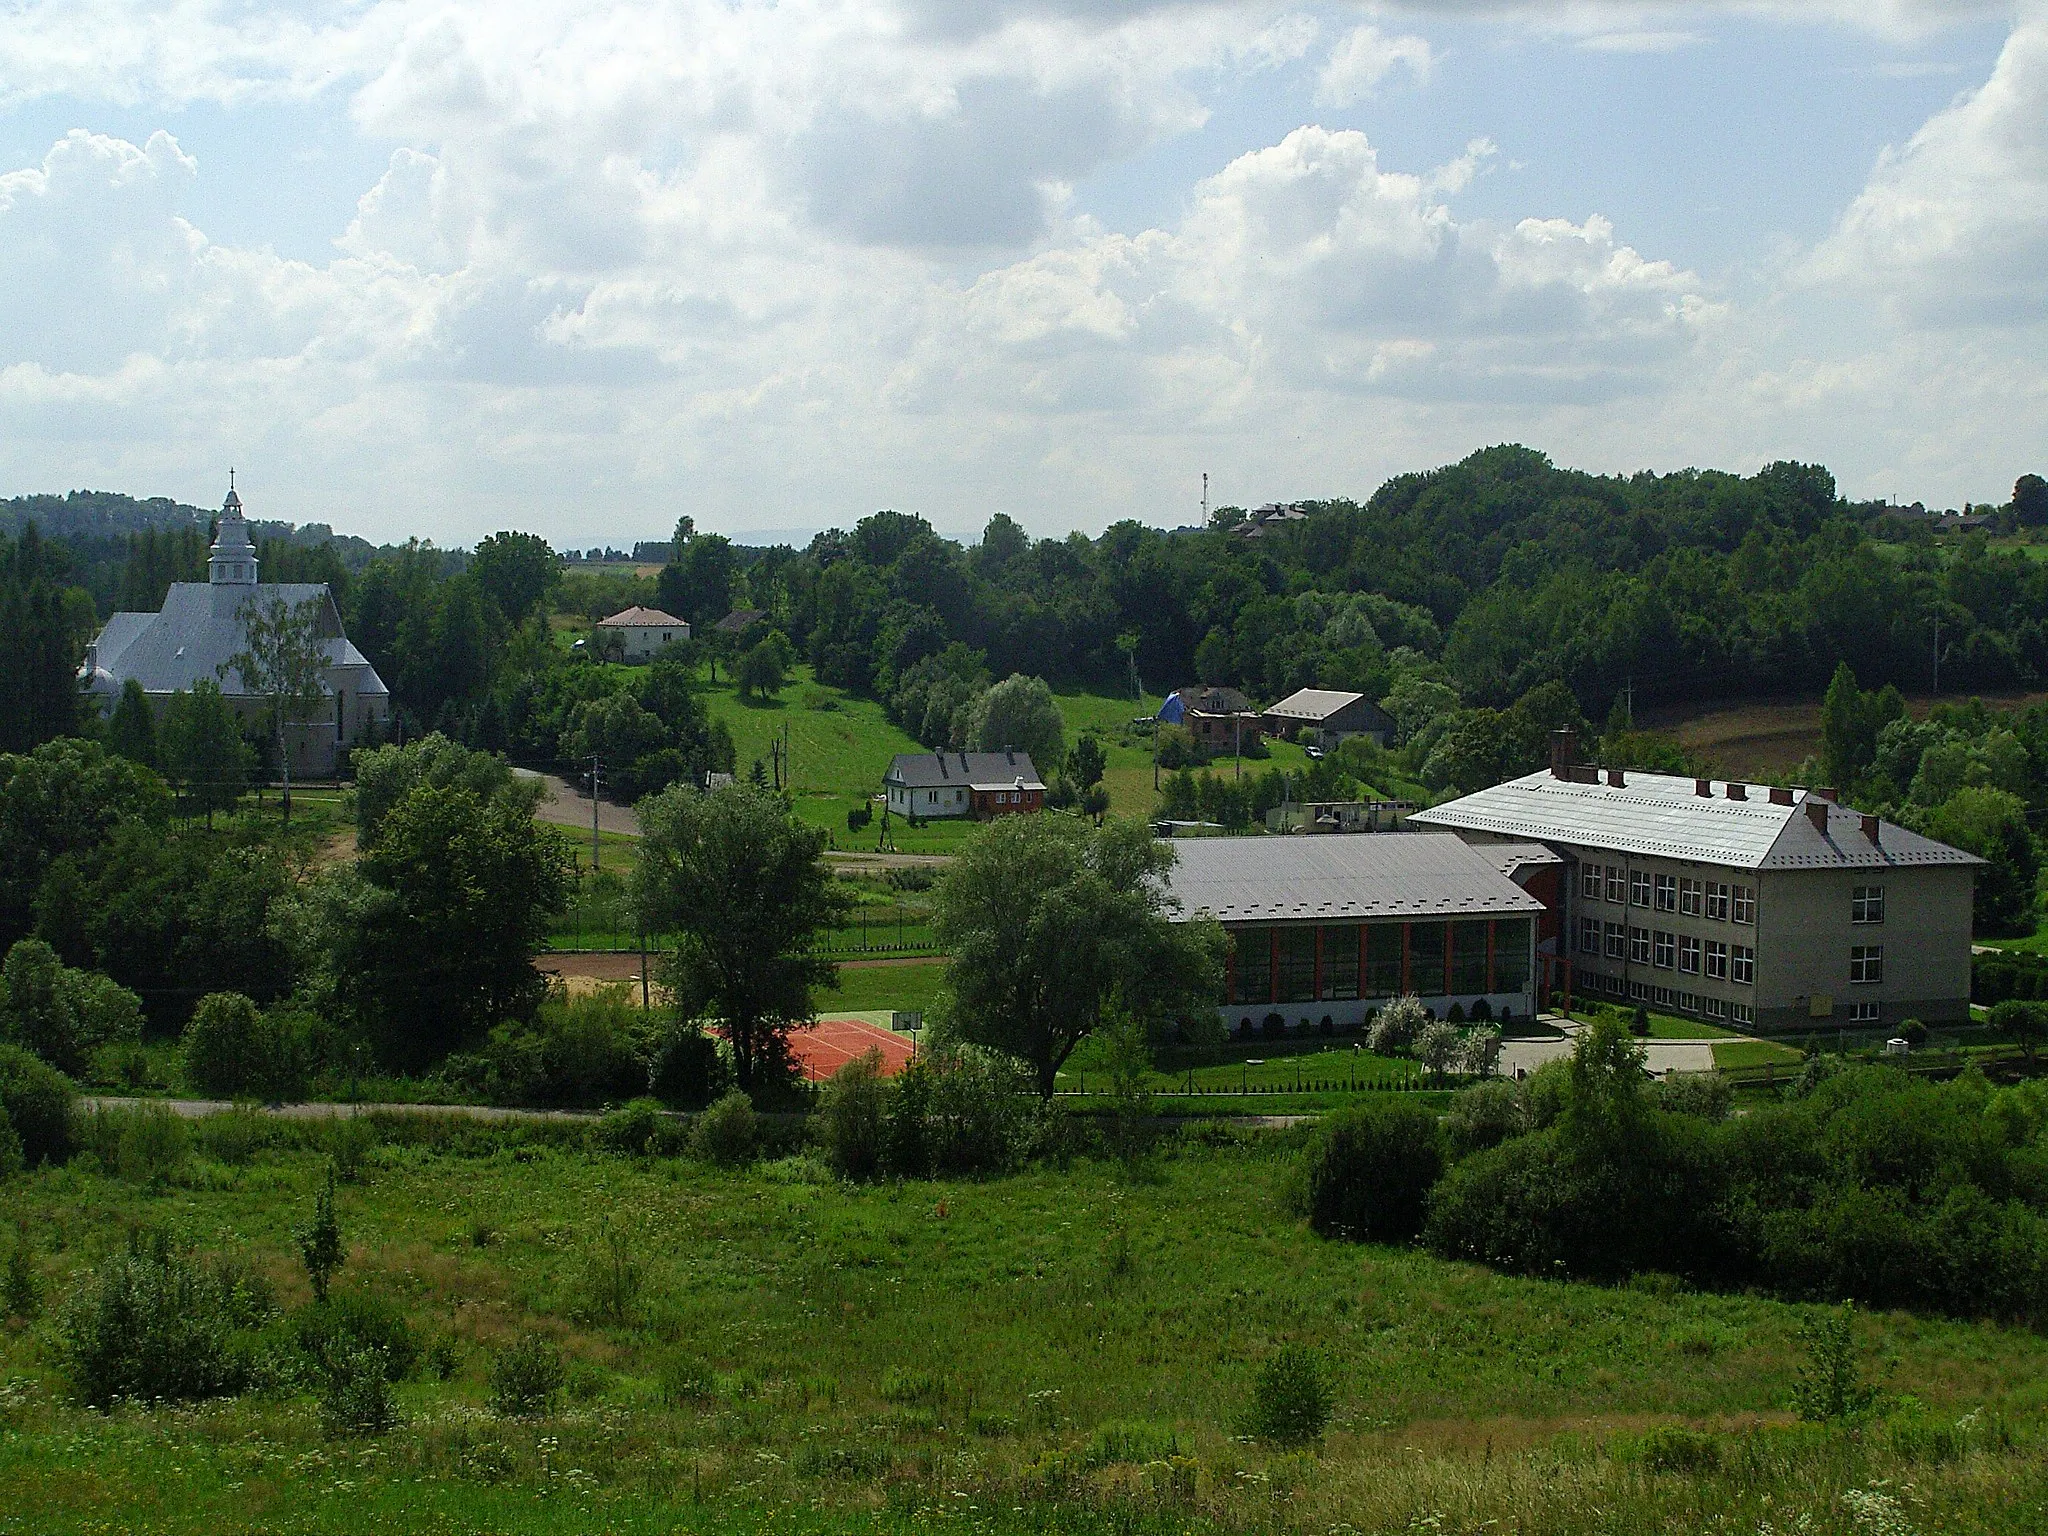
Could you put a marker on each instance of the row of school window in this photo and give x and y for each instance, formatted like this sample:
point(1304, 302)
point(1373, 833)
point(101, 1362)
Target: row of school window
point(1683, 952)
point(1339, 962)
point(1717, 899)
point(1718, 1008)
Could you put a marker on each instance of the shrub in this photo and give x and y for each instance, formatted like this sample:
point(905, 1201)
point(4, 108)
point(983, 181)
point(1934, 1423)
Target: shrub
point(1291, 1399)
point(635, 1129)
point(612, 1278)
point(1479, 1055)
point(11, 1159)
point(37, 1099)
point(154, 1145)
point(1439, 1048)
point(689, 1070)
point(1829, 1386)
point(234, 1051)
point(234, 1137)
point(1273, 1026)
point(853, 1117)
point(977, 1114)
point(60, 1014)
point(1482, 1116)
point(1368, 1171)
point(1914, 1033)
point(352, 1321)
point(21, 1287)
point(526, 1377)
point(1395, 1026)
point(1639, 1023)
point(153, 1326)
point(319, 1241)
point(356, 1398)
point(727, 1133)
point(575, 1052)
point(1705, 1094)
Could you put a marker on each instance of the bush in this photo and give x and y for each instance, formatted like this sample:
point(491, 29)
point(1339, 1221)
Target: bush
point(689, 1069)
point(1482, 1116)
point(636, 1129)
point(977, 1112)
point(154, 1145)
point(1395, 1026)
point(11, 1159)
point(1291, 1399)
point(37, 1099)
point(153, 1326)
point(1368, 1171)
point(1439, 1047)
point(1671, 1449)
point(526, 1377)
point(1704, 1094)
point(1273, 1026)
point(356, 1399)
point(1829, 1386)
point(727, 1133)
point(21, 1287)
point(575, 1053)
point(612, 1279)
point(234, 1051)
point(60, 1014)
point(853, 1117)
point(1914, 1033)
point(357, 1322)
point(1130, 1441)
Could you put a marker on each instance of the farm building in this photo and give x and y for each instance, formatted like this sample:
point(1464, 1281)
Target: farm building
point(1330, 716)
point(1219, 719)
point(1336, 926)
point(1753, 905)
point(203, 626)
point(636, 634)
point(939, 785)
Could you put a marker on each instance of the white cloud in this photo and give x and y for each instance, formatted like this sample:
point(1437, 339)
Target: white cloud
point(1953, 227)
point(1363, 59)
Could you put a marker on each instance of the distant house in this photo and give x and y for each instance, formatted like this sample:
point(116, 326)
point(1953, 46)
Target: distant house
point(203, 625)
point(1219, 719)
point(740, 620)
point(1257, 524)
point(947, 784)
point(640, 632)
point(1333, 715)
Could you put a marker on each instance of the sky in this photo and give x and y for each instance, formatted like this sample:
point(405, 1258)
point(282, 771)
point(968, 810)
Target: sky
point(442, 267)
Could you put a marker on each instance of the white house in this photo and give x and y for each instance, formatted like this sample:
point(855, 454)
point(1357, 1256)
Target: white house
point(202, 626)
point(638, 633)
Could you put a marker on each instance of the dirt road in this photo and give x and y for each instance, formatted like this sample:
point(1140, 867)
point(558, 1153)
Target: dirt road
point(563, 806)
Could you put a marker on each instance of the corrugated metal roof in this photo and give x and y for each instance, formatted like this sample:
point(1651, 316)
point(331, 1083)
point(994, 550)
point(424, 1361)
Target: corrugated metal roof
point(1313, 704)
point(951, 770)
point(1337, 878)
point(1659, 815)
point(201, 627)
point(1509, 857)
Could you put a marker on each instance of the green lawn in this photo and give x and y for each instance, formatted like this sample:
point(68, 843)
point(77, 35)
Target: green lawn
point(862, 988)
point(1069, 1351)
point(1755, 1053)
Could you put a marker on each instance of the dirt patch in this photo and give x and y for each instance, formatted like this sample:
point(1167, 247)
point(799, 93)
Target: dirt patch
point(1764, 738)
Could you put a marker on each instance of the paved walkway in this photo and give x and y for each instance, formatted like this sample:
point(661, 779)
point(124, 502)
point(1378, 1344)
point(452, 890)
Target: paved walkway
point(1660, 1056)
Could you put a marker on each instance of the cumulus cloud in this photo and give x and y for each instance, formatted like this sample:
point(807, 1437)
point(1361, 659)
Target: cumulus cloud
point(1953, 227)
point(1363, 59)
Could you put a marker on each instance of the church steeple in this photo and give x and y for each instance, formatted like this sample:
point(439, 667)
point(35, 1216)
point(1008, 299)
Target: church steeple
point(232, 560)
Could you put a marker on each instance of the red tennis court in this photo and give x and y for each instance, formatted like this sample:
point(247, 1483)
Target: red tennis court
point(826, 1046)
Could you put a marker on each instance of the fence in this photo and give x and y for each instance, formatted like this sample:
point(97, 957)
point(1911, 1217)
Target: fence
point(599, 919)
point(1396, 1079)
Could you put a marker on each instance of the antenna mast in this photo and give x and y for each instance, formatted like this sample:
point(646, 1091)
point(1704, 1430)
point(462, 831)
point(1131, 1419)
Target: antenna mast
point(1205, 498)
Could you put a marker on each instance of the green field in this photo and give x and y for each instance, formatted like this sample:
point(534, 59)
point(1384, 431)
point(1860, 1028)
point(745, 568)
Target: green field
point(1755, 1053)
point(1056, 1351)
point(907, 988)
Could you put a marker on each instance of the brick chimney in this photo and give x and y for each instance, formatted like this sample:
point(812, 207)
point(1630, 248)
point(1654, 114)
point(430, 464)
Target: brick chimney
point(1817, 813)
point(1780, 795)
point(1870, 831)
point(1737, 791)
point(1564, 751)
point(1615, 779)
point(1828, 792)
point(1704, 788)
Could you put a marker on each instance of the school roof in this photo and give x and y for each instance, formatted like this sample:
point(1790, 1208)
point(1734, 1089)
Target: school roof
point(201, 626)
point(641, 618)
point(1660, 815)
point(952, 770)
point(1341, 877)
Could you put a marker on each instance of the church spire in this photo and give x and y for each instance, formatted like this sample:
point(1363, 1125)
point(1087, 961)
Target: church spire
point(232, 560)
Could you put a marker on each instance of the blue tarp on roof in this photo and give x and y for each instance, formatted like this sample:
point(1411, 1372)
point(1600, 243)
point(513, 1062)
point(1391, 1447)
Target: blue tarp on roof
point(1173, 710)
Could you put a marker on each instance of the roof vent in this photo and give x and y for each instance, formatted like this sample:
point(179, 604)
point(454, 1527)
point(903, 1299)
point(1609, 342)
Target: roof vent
point(1738, 791)
point(1870, 825)
point(1817, 813)
point(1615, 780)
point(1704, 788)
point(1585, 773)
point(1780, 795)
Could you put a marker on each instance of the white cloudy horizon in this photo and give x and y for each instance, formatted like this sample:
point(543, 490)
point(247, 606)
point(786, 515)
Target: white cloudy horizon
point(438, 267)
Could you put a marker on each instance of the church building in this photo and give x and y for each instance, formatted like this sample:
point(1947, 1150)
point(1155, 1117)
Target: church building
point(202, 626)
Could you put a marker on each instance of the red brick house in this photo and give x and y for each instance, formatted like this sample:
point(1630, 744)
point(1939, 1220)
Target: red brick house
point(936, 785)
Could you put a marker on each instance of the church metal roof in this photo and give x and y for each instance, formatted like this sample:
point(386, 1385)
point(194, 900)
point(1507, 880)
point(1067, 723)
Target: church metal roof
point(201, 627)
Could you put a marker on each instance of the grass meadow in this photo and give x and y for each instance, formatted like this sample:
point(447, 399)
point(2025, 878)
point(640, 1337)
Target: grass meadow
point(1067, 1349)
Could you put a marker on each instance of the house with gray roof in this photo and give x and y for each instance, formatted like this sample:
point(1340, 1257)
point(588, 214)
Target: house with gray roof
point(1762, 906)
point(941, 785)
point(1335, 927)
point(1330, 715)
point(203, 626)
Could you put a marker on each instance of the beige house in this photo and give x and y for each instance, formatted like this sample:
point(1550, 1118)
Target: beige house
point(1742, 904)
point(637, 634)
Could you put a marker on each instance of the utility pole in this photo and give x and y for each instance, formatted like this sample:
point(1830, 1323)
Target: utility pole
point(595, 780)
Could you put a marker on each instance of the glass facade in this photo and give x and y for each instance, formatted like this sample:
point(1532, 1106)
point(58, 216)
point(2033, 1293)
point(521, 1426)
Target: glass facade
point(1426, 959)
point(1383, 960)
point(1296, 955)
point(1254, 967)
point(1340, 963)
point(1468, 957)
point(1511, 954)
